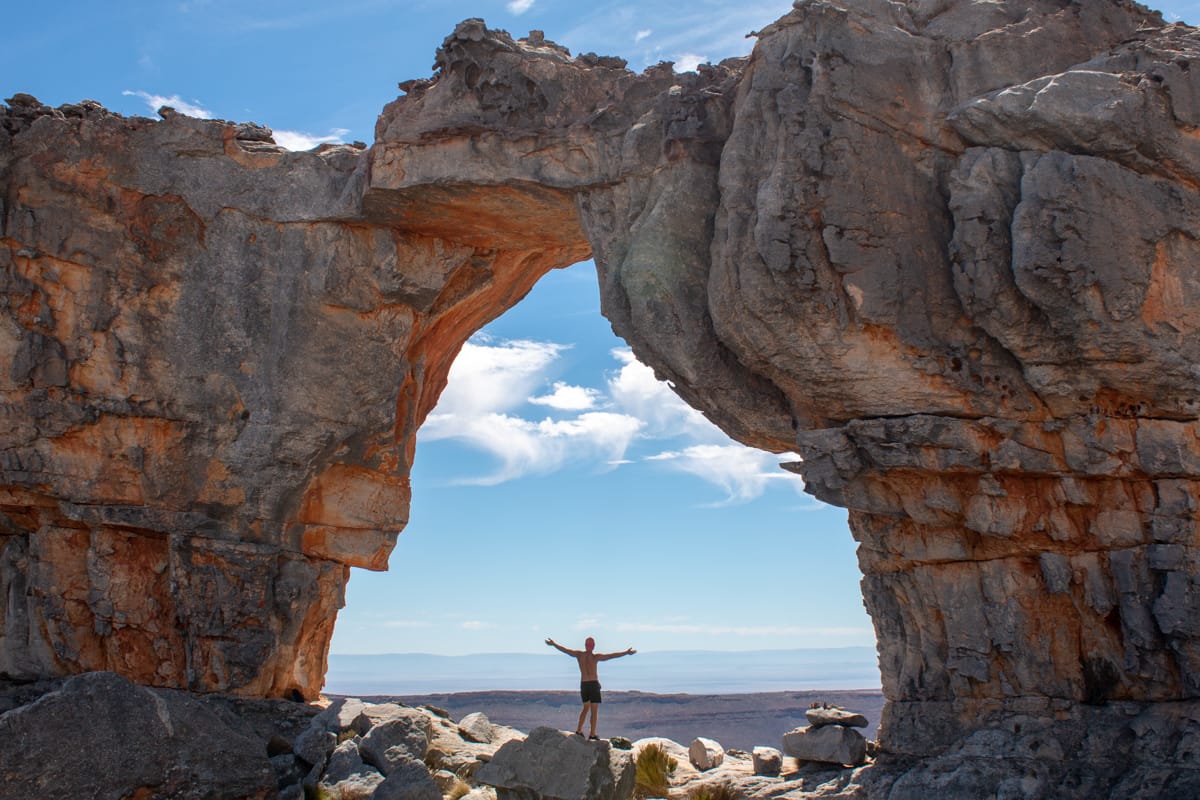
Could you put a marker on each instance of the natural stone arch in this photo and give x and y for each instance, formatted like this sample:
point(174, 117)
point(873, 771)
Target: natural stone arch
point(972, 313)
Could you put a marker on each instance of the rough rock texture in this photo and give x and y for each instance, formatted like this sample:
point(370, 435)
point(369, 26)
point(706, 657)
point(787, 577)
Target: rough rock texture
point(831, 744)
point(551, 765)
point(767, 761)
point(143, 742)
point(834, 716)
point(945, 250)
point(705, 754)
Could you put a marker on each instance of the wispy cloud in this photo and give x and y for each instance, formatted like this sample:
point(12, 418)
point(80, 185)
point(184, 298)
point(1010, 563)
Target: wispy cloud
point(742, 472)
point(713, 27)
point(636, 391)
point(488, 378)
point(642, 34)
point(297, 140)
point(490, 381)
point(475, 625)
point(490, 400)
point(519, 7)
point(157, 101)
point(568, 398)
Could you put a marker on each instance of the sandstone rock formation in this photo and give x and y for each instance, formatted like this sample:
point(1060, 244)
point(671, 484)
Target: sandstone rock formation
point(945, 250)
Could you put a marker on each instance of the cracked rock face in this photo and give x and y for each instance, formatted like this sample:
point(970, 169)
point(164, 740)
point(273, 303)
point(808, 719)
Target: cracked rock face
point(946, 251)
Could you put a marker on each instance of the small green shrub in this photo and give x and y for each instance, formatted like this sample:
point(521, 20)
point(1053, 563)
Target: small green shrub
point(715, 791)
point(654, 770)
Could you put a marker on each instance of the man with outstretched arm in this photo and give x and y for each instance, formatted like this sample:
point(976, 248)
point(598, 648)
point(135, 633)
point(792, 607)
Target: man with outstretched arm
point(589, 679)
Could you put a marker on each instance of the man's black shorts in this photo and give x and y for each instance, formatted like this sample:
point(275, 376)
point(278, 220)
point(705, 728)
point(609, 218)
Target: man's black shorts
point(589, 691)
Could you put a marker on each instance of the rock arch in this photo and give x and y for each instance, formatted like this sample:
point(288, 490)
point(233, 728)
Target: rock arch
point(944, 251)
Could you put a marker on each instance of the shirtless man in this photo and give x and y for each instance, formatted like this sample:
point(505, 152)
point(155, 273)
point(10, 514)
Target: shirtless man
point(589, 680)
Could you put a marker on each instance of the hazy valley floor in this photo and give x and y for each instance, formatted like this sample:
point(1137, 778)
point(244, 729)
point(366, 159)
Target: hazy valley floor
point(738, 721)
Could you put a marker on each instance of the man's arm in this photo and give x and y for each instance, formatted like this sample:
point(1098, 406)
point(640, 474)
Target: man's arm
point(562, 649)
point(610, 656)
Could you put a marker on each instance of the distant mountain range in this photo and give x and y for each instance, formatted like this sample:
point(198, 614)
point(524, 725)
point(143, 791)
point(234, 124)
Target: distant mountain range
point(677, 671)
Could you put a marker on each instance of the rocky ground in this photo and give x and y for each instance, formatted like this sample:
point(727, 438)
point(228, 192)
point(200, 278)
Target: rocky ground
point(100, 736)
point(739, 721)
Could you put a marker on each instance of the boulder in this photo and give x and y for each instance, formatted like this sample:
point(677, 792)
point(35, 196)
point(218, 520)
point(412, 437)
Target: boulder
point(551, 764)
point(341, 715)
point(830, 744)
point(767, 761)
point(347, 777)
point(835, 716)
point(143, 742)
point(389, 743)
point(377, 713)
point(705, 754)
point(408, 780)
point(314, 746)
point(476, 727)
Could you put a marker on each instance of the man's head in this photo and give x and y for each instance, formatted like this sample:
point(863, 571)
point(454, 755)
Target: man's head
point(590, 644)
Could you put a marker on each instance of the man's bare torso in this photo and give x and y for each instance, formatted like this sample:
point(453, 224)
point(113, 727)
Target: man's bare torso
point(587, 666)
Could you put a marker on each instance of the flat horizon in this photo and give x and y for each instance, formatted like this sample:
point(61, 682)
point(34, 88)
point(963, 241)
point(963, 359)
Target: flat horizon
point(645, 651)
point(655, 671)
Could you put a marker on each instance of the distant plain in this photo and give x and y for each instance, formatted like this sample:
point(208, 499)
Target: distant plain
point(740, 698)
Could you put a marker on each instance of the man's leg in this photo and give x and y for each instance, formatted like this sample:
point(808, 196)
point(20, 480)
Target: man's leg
point(582, 714)
point(595, 710)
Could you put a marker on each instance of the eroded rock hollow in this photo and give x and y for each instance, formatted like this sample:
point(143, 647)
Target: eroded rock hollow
point(946, 251)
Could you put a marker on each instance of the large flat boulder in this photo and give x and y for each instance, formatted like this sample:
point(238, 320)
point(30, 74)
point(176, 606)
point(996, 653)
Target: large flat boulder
point(829, 744)
point(551, 765)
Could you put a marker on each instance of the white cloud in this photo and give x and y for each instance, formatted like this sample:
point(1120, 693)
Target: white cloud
point(157, 101)
point(487, 383)
point(519, 7)
point(526, 447)
point(687, 62)
point(297, 140)
point(637, 392)
point(488, 378)
point(475, 625)
point(568, 398)
point(743, 473)
point(490, 382)
point(642, 34)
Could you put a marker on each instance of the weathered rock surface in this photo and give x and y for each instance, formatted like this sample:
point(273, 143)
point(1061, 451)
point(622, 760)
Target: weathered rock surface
point(767, 761)
point(101, 736)
point(830, 744)
point(945, 251)
point(705, 754)
point(551, 764)
point(834, 716)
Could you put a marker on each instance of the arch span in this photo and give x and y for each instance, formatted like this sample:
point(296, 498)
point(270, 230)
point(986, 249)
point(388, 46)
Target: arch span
point(971, 311)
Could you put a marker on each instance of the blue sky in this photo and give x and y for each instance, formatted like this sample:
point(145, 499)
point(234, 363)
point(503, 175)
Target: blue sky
point(558, 489)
